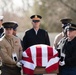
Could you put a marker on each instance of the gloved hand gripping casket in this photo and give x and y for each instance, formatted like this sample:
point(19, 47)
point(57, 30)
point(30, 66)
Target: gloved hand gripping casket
point(40, 56)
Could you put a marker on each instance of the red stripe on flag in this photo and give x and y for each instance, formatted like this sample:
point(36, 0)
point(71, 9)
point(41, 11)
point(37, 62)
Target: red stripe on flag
point(27, 71)
point(50, 52)
point(28, 59)
point(56, 55)
point(52, 67)
point(39, 56)
point(28, 51)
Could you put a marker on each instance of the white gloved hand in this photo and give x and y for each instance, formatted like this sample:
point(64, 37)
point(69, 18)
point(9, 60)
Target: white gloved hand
point(62, 63)
point(0, 72)
point(63, 55)
point(18, 64)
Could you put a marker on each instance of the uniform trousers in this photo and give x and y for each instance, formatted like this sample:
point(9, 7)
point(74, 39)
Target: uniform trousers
point(67, 71)
point(6, 70)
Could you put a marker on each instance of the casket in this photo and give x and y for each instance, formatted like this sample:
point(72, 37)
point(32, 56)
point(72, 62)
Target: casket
point(41, 70)
point(40, 59)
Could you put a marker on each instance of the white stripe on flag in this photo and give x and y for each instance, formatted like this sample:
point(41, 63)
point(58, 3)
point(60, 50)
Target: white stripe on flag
point(52, 61)
point(28, 65)
point(44, 55)
point(33, 53)
point(24, 54)
point(54, 51)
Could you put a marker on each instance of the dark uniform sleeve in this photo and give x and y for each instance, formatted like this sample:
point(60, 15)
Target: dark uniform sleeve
point(72, 59)
point(47, 40)
point(25, 42)
point(70, 51)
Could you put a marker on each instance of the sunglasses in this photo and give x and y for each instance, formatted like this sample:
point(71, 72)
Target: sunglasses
point(36, 21)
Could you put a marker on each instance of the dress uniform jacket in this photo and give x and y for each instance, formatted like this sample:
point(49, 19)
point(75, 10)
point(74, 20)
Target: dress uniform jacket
point(70, 58)
point(31, 38)
point(70, 52)
point(8, 46)
point(57, 39)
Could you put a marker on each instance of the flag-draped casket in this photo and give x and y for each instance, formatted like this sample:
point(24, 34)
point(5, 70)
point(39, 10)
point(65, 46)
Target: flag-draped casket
point(40, 56)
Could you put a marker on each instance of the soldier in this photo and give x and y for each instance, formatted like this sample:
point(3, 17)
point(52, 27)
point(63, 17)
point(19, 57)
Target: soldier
point(35, 35)
point(15, 29)
point(10, 51)
point(69, 48)
point(64, 22)
point(2, 30)
point(60, 39)
point(2, 34)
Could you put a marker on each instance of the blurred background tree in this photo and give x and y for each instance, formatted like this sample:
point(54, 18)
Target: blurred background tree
point(52, 12)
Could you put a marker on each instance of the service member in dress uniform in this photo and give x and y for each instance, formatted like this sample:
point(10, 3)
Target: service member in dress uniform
point(2, 30)
point(58, 37)
point(69, 49)
point(2, 34)
point(10, 51)
point(61, 37)
point(35, 35)
point(15, 28)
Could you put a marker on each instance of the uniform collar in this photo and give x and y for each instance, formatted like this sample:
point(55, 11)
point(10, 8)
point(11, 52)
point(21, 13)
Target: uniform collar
point(36, 31)
point(9, 37)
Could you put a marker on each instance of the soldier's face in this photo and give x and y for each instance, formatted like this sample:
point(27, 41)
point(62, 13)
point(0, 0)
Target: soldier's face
point(9, 31)
point(71, 34)
point(36, 23)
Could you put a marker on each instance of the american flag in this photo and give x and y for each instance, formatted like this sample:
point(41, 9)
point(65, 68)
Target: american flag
point(40, 55)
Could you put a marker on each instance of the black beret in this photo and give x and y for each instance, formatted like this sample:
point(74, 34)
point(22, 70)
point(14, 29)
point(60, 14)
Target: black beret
point(9, 24)
point(36, 16)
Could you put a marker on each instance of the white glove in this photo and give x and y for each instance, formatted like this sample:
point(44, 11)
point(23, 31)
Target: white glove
point(63, 55)
point(0, 72)
point(18, 64)
point(62, 63)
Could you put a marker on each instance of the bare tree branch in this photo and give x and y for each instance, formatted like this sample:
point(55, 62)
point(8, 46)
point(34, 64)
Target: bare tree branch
point(69, 6)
